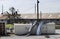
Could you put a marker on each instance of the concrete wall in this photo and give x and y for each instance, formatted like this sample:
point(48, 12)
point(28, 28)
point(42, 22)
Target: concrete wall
point(21, 28)
point(24, 28)
point(48, 28)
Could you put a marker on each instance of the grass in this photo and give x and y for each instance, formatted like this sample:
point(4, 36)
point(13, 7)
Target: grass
point(9, 25)
point(57, 27)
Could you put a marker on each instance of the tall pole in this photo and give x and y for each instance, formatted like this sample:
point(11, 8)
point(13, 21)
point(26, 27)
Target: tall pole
point(40, 15)
point(2, 8)
point(37, 10)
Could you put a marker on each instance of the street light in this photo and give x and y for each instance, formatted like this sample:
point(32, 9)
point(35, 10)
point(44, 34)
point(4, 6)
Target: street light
point(37, 10)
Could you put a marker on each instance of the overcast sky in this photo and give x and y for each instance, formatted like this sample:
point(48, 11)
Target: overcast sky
point(27, 6)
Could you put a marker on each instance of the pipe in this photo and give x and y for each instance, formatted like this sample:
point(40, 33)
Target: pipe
point(39, 28)
point(30, 29)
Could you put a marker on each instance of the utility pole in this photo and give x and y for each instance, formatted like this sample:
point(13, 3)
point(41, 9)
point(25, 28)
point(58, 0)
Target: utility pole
point(40, 15)
point(2, 8)
point(37, 10)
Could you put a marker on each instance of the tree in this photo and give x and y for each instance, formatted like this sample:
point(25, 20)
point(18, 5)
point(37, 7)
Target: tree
point(14, 12)
point(12, 9)
point(12, 15)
